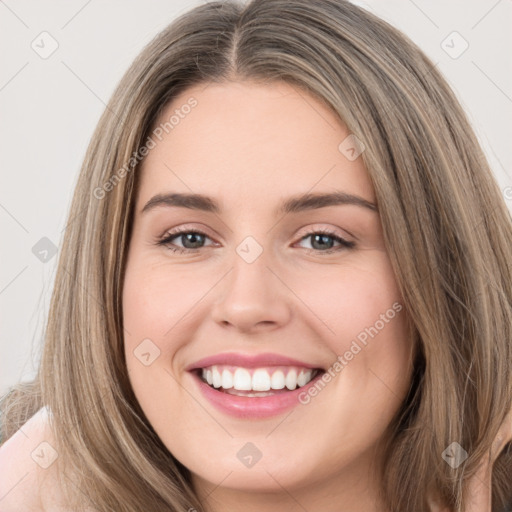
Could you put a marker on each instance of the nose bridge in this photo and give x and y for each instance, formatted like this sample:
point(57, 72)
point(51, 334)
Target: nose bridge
point(251, 295)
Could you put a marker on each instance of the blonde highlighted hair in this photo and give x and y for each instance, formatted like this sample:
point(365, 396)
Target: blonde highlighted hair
point(445, 223)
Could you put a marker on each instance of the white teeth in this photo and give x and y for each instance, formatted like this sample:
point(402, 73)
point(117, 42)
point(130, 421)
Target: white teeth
point(259, 394)
point(261, 379)
point(227, 379)
point(277, 381)
point(242, 380)
point(302, 379)
point(291, 380)
point(217, 379)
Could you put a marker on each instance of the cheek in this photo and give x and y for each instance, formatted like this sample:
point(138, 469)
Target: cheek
point(155, 300)
point(353, 301)
point(160, 305)
point(147, 303)
point(153, 303)
point(365, 325)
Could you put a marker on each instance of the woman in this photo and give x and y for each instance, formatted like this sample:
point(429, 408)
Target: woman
point(199, 356)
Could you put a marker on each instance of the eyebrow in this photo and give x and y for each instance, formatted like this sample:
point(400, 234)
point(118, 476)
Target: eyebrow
point(303, 202)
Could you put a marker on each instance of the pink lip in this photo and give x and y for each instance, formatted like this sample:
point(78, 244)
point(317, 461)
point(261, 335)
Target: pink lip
point(252, 407)
point(249, 361)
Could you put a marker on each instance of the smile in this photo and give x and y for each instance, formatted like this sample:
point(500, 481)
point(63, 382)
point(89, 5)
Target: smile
point(255, 381)
point(253, 386)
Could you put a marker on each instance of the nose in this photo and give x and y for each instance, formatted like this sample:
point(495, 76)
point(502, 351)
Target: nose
point(252, 298)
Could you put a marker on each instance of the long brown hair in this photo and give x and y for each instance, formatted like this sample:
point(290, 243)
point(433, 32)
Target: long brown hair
point(446, 227)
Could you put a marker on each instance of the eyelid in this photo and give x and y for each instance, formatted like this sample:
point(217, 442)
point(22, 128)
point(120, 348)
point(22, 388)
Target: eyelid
point(342, 241)
point(313, 228)
point(182, 229)
point(305, 231)
point(186, 228)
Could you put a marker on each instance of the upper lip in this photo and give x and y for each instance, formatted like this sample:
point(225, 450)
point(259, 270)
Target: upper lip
point(249, 361)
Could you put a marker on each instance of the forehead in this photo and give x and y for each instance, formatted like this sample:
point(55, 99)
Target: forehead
point(250, 141)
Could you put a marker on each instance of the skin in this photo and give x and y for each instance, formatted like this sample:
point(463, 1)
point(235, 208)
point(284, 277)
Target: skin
point(250, 146)
point(251, 310)
point(26, 486)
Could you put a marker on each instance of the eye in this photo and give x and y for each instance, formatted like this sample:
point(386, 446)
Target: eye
point(320, 238)
point(193, 240)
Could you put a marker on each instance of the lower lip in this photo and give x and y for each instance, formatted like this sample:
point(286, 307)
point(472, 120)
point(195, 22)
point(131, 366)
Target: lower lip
point(253, 407)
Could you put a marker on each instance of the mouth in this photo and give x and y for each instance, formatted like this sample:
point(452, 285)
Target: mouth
point(256, 382)
point(254, 386)
point(255, 393)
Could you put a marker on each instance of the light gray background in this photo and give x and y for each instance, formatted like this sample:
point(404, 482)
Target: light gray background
point(50, 106)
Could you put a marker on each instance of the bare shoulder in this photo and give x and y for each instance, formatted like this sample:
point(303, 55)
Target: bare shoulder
point(28, 467)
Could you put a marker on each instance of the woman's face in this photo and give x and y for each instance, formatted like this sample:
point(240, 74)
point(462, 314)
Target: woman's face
point(271, 293)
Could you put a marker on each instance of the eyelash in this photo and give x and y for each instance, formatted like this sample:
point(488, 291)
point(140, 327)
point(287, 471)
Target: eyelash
point(345, 244)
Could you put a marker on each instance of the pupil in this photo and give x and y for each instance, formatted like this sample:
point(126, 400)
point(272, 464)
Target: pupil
point(192, 238)
point(196, 238)
point(323, 239)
